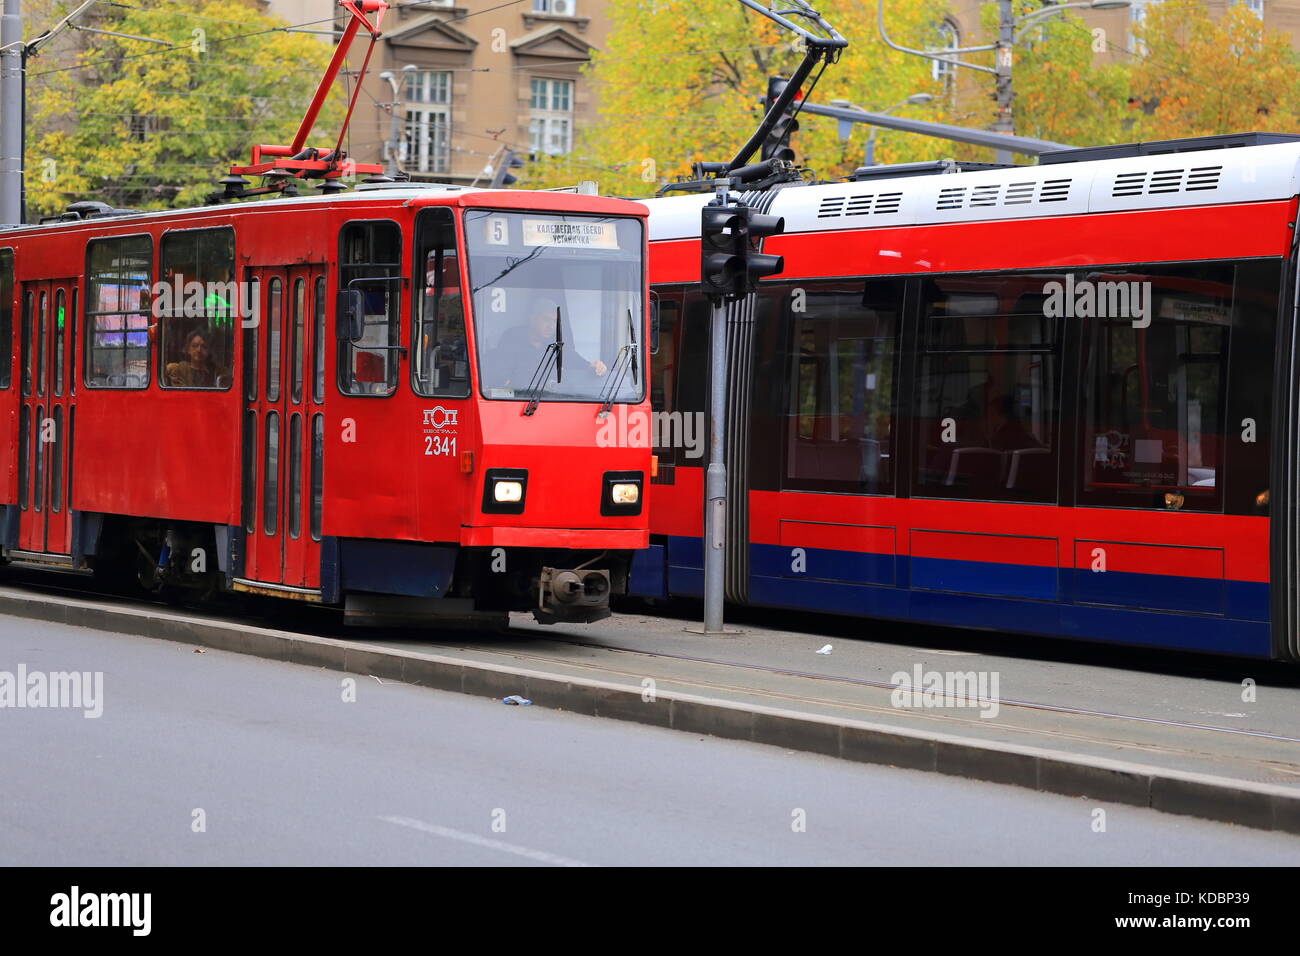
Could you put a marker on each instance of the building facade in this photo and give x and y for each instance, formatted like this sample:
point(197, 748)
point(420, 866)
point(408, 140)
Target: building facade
point(454, 84)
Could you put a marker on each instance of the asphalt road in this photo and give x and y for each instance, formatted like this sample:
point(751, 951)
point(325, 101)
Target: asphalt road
point(280, 769)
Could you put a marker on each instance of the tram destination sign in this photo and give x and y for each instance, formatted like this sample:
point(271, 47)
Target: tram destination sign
point(583, 235)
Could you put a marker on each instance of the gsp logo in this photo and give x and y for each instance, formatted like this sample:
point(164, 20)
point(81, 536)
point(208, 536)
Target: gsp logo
point(440, 417)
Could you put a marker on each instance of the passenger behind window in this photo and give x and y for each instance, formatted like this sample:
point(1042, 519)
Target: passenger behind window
point(197, 369)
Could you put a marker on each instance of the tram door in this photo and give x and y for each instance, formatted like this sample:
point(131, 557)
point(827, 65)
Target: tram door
point(46, 417)
point(284, 426)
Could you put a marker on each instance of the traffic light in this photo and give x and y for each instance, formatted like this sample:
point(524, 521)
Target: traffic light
point(777, 143)
point(730, 267)
point(501, 177)
point(723, 244)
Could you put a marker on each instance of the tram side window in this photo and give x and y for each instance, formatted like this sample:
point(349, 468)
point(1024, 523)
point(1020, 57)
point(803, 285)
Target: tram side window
point(1155, 384)
point(679, 372)
point(6, 316)
point(988, 390)
point(441, 364)
point(197, 271)
point(118, 312)
point(370, 259)
point(839, 421)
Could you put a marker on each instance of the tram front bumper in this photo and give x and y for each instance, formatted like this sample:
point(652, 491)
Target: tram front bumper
point(577, 596)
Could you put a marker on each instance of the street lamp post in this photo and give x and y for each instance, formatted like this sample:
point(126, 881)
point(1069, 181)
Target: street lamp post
point(394, 141)
point(916, 99)
point(1010, 31)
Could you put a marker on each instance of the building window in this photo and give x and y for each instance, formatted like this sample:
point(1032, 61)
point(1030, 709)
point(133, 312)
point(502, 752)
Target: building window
point(945, 71)
point(550, 129)
point(426, 146)
point(1256, 7)
point(556, 8)
point(428, 86)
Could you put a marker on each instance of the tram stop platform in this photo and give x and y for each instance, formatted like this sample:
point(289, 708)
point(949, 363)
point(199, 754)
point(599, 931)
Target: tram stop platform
point(1211, 737)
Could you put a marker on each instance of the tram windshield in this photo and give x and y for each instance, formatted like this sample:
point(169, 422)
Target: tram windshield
point(557, 305)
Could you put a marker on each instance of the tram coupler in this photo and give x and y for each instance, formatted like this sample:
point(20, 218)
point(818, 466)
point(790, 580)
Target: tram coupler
point(579, 596)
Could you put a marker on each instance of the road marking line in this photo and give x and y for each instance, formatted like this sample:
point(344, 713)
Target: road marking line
point(540, 856)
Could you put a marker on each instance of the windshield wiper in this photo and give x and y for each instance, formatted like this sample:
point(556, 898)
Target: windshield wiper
point(626, 359)
point(554, 355)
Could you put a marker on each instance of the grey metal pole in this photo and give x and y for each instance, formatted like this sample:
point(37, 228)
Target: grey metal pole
point(958, 134)
point(12, 56)
point(871, 148)
point(1003, 58)
point(715, 481)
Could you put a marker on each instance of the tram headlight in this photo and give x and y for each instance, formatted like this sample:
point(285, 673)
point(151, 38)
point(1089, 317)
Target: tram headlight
point(504, 491)
point(621, 493)
point(507, 491)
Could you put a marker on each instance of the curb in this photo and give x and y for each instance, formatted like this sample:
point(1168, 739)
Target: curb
point(1258, 805)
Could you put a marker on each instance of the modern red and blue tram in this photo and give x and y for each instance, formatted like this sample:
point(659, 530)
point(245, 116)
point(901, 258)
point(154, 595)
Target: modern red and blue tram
point(389, 400)
point(1058, 399)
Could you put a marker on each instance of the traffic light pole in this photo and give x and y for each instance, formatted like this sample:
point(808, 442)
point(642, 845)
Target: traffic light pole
point(715, 479)
point(730, 267)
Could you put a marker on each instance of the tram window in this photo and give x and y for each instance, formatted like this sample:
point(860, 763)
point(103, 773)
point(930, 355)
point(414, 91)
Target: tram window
point(25, 360)
point(1154, 394)
point(370, 259)
point(251, 332)
point(249, 489)
point(118, 312)
point(988, 390)
point(297, 319)
point(318, 343)
point(56, 462)
point(38, 457)
point(295, 476)
point(839, 421)
point(6, 316)
point(441, 365)
point(24, 454)
point(274, 321)
point(196, 308)
point(42, 320)
point(317, 473)
point(60, 338)
point(72, 345)
point(679, 377)
point(271, 474)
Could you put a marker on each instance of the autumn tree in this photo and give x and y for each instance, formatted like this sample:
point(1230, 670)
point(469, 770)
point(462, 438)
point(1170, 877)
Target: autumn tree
point(681, 81)
point(149, 125)
point(1198, 75)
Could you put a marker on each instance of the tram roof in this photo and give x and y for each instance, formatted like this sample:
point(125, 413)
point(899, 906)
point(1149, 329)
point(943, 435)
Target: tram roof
point(398, 194)
point(1127, 183)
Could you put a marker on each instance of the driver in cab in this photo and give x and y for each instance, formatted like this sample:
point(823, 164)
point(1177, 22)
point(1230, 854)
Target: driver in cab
point(520, 349)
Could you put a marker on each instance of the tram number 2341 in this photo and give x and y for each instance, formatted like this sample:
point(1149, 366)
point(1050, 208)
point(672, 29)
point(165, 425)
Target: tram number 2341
point(440, 444)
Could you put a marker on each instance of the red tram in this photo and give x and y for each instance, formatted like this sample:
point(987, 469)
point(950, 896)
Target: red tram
point(389, 399)
point(1057, 400)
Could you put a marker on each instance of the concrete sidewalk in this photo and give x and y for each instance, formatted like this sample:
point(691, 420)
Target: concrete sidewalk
point(1182, 742)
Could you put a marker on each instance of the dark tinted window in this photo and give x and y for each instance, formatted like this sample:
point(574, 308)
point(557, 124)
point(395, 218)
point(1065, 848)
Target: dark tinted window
point(6, 315)
point(988, 388)
point(838, 432)
point(1155, 386)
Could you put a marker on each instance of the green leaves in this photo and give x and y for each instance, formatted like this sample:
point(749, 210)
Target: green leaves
point(148, 126)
